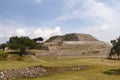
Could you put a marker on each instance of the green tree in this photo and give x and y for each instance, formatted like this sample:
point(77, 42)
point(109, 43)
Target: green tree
point(3, 45)
point(21, 44)
point(38, 39)
point(115, 50)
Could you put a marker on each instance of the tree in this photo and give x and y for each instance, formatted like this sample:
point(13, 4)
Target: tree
point(2, 46)
point(21, 44)
point(115, 50)
point(38, 39)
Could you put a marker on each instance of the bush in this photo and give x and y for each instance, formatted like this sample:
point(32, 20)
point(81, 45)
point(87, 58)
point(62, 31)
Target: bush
point(3, 55)
point(13, 57)
point(7, 56)
point(115, 50)
point(21, 44)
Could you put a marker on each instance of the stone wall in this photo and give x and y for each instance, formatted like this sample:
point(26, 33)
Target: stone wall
point(36, 71)
point(80, 45)
point(78, 49)
point(85, 42)
point(76, 44)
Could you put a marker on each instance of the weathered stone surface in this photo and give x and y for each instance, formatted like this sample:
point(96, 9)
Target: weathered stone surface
point(76, 44)
point(52, 70)
point(35, 71)
point(78, 37)
point(72, 37)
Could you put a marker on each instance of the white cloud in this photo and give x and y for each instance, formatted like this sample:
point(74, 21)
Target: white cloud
point(57, 30)
point(106, 18)
point(86, 9)
point(33, 32)
point(99, 11)
point(37, 1)
point(47, 32)
point(104, 27)
point(21, 32)
point(109, 28)
point(1, 35)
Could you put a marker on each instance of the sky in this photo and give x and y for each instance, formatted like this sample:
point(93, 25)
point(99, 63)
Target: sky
point(45, 18)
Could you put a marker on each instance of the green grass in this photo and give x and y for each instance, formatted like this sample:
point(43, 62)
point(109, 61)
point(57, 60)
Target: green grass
point(4, 65)
point(99, 69)
point(37, 51)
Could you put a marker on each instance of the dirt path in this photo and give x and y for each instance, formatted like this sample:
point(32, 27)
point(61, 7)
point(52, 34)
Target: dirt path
point(35, 58)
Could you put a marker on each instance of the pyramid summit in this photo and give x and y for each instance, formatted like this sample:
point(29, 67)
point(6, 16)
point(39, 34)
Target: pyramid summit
point(72, 37)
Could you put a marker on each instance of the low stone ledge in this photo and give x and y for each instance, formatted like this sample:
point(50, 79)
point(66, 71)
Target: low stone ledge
point(53, 70)
point(36, 71)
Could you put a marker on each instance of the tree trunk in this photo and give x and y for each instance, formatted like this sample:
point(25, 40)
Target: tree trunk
point(3, 49)
point(118, 57)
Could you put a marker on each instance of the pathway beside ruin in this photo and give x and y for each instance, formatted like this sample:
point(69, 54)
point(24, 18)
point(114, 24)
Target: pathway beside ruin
point(35, 58)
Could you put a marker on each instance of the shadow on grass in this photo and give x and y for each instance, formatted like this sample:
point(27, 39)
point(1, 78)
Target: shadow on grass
point(16, 52)
point(21, 54)
point(112, 72)
point(113, 58)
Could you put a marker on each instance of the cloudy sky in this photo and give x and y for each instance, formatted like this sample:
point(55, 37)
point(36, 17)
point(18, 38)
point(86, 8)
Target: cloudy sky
point(34, 18)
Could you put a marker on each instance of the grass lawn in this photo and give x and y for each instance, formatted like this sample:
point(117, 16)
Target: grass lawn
point(99, 69)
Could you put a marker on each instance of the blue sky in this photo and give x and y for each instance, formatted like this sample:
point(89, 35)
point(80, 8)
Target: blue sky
point(45, 18)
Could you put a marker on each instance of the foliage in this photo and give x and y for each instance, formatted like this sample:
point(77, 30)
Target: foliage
point(38, 39)
point(3, 45)
point(21, 43)
point(3, 55)
point(115, 50)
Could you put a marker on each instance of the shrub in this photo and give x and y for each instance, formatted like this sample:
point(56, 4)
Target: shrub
point(3, 55)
